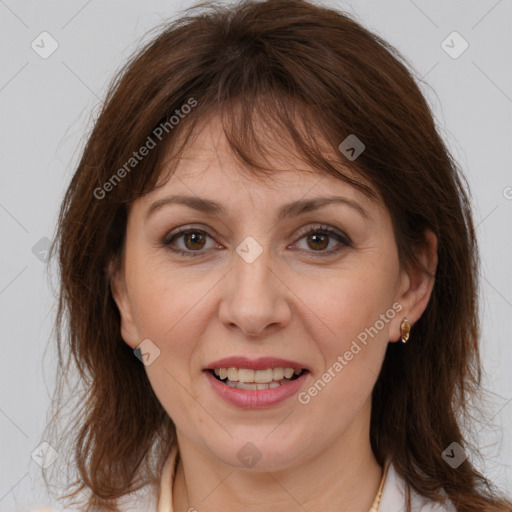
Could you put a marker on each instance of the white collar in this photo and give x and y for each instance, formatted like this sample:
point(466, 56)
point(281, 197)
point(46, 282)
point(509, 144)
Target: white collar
point(393, 497)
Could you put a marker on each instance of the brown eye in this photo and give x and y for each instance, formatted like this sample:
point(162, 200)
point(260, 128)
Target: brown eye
point(319, 241)
point(194, 240)
point(319, 238)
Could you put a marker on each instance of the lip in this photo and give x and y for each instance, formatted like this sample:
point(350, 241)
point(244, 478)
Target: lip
point(258, 398)
point(261, 363)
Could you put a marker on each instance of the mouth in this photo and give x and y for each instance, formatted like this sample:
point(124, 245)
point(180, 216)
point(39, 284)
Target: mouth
point(255, 380)
point(249, 383)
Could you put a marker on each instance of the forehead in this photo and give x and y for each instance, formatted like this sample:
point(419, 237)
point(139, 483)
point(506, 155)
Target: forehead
point(208, 163)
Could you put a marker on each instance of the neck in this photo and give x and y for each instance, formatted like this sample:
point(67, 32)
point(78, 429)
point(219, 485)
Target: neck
point(344, 477)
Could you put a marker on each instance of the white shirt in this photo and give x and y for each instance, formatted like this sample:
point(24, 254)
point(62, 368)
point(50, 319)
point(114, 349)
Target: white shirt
point(393, 497)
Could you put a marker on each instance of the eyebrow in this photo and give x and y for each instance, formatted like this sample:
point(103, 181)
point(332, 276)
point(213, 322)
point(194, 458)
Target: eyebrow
point(288, 210)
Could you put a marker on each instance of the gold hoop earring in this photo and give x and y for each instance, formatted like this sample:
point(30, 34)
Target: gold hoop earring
point(405, 329)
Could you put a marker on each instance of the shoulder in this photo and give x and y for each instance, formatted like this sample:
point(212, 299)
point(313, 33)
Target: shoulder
point(393, 497)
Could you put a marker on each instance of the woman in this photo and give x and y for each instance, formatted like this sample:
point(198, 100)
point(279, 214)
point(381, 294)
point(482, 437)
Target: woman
point(269, 270)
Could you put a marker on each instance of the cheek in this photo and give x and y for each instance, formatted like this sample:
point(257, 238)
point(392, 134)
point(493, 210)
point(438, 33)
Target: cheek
point(170, 309)
point(164, 299)
point(350, 330)
point(167, 310)
point(177, 397)
point(355, 302)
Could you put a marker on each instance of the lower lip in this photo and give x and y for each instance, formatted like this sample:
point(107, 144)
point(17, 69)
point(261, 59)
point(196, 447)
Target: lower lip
point(258, 398)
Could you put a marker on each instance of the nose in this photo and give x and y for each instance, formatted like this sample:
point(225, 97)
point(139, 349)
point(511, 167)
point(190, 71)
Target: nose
point(255, 297)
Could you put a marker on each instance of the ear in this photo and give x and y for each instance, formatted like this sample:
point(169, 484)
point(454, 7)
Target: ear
point(416, 285)
point(117, 280)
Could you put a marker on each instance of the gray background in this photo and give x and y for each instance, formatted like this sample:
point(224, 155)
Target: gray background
point(46, 107)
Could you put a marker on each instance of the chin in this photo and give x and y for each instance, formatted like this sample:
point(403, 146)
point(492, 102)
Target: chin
point(257, 452)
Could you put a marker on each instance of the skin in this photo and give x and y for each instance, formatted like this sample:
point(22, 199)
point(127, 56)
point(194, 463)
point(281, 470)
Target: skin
point(291, 302)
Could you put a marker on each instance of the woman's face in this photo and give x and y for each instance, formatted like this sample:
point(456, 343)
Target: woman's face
point(253, 286)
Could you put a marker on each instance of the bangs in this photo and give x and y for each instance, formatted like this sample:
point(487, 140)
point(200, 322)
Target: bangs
point(262, 132)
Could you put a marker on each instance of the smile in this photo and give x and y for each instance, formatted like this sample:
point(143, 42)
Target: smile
point(253, 394)
point(251, 380)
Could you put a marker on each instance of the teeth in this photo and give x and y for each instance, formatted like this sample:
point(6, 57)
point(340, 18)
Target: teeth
point(288, 373)
point(243, 385)
point(263, 376)
point(278, 373)
point(246, 378)
point(245, 375)
point(233, 374)
point(252, 386)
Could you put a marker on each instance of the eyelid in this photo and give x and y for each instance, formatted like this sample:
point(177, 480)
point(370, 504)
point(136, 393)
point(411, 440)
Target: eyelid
point(331, 231)
point(185, 229)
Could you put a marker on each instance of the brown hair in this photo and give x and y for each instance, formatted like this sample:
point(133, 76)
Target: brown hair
point(285, 61)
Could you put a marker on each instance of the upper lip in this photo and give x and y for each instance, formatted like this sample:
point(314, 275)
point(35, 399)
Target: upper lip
point(262, 363)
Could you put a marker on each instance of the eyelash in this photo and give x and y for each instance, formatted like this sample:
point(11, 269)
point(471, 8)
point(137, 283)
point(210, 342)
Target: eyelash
point(322, 230)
